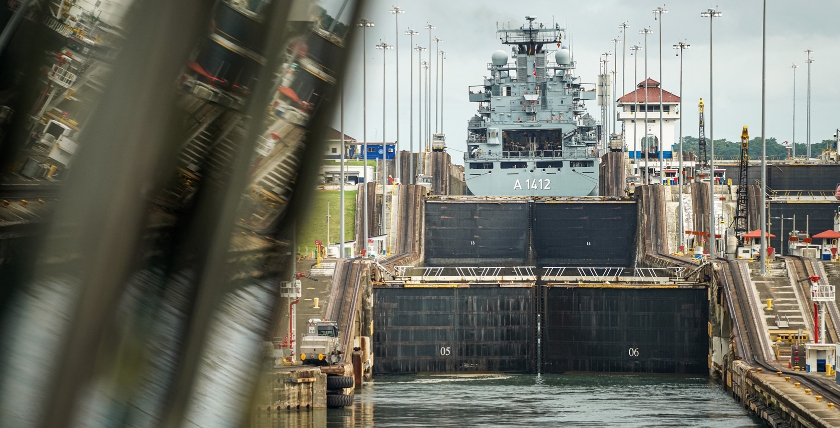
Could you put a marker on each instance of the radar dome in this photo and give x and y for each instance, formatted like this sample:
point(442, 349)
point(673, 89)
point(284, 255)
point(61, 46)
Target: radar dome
point(500, 58)
point(562, 57)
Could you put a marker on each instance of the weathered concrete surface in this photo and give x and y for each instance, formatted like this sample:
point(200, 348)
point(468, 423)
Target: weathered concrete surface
point(612, 178)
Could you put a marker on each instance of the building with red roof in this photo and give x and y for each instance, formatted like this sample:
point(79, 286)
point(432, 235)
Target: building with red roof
point(632, 108)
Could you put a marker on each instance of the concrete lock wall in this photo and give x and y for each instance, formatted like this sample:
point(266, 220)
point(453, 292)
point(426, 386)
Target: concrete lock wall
point(626, 330)
point(419, 330)
point(517, 232)
point(584, 234)
point(476, 233)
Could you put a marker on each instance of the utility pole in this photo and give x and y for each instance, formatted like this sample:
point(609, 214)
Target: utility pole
point(711, 14)
point(397, 11)
point(808, 107)
point(411, 33)
point(657, 13)
point(681, 47)
point(365, 24)
point(645, 148)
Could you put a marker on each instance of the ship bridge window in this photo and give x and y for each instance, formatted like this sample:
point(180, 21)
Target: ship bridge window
point(509, 165)
point(581, 164)
point(481, 165)
point(550, 164)
point(532, 140)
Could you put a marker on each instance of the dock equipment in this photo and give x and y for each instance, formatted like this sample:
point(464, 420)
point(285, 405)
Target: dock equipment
point(740, 220)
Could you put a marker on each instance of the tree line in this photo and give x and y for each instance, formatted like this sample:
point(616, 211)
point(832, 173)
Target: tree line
point(732, 150)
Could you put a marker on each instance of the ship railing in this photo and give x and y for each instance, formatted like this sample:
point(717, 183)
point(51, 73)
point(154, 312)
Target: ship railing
point(573, 275)
point(465, 274)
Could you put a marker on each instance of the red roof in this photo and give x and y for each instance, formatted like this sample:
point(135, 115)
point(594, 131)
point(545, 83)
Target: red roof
point(756, 234)
point(289, 92)
point(828, 234)
point(333, 134)
point(652, 88)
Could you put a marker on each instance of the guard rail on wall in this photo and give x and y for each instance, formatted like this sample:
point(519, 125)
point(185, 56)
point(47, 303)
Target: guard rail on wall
point(612, 274)
point(466, 274)
point(436, 274)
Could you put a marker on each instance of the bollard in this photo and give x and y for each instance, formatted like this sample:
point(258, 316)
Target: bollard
point(796, 385)
point(818, 397)
point(779, 374)
point(769, 304)
point(787, 378)
point(758, 370)
point(807, 391)
point(315, 300)
point(830, 405)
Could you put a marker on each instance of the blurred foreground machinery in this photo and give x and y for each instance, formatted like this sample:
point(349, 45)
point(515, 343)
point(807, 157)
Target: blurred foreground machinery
point(147, 297)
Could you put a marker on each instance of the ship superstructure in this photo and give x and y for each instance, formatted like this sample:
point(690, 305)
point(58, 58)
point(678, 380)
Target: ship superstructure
point(532, 135)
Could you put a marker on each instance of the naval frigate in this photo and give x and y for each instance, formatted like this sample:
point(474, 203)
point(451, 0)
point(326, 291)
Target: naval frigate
point(532, 135)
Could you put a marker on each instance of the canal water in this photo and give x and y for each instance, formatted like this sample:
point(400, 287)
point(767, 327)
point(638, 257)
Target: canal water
point(571, 400)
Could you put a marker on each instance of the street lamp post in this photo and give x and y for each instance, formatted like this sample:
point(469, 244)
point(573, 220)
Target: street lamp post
point(657, 13)
point(427, 106)
point(383, 220)
point(615, 43)
point(437, 41)
point(646, 31)
point(442, 57)
point(711, 14)
point(420, 50)
point(793, 137)
point(635, 52)
point(429, 27)
point(808, 107)
point(623, 27)
point(397, 11)
point(411, 33)
point(341, 183)
point(763, 255)
point(365, 24)
point(681, 47)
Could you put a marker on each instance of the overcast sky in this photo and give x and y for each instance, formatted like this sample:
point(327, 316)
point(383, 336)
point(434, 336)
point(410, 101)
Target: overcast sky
point(468, 27)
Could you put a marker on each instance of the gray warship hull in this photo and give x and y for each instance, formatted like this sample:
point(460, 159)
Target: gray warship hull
point(532, 135)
